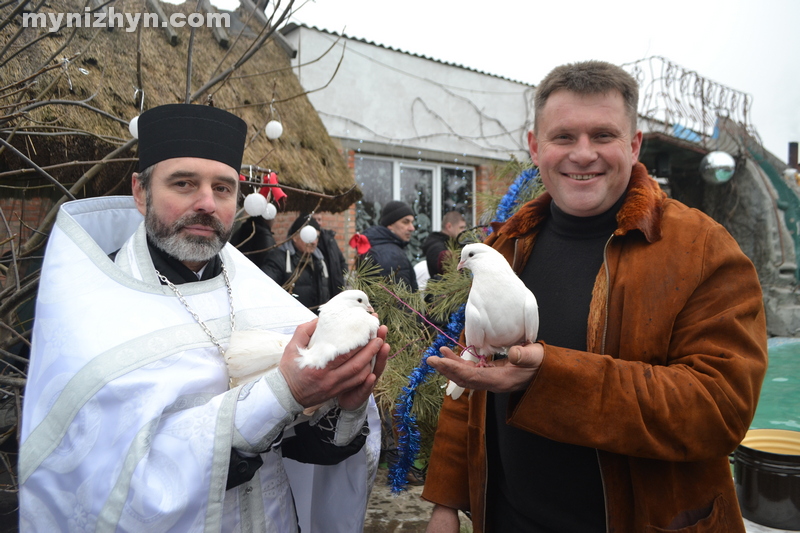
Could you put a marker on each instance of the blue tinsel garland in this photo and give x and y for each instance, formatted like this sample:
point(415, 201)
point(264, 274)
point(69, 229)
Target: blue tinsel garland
point(509, 203)
point(408, 434)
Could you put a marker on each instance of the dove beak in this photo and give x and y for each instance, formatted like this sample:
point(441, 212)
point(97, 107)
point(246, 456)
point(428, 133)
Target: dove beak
point(370, 309)
point(460, 265)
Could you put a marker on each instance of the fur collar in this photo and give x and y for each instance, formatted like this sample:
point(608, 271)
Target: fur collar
point(641, 210)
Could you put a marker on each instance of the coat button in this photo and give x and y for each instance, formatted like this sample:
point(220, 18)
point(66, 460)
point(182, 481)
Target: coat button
point(242, 467)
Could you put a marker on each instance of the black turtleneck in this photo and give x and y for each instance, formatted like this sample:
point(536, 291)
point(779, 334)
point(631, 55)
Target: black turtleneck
point(536, 484)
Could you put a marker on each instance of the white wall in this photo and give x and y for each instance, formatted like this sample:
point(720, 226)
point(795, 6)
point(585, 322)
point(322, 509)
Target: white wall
point(412, 103)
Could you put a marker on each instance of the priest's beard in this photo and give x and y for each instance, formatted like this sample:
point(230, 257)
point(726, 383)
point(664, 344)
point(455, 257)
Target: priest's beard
point(187, 247)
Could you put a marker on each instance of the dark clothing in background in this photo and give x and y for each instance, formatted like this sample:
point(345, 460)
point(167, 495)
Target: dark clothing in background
point(387, 250)
point(334, 259)
point(433, 248)
point(311, 287)
point(254, 234)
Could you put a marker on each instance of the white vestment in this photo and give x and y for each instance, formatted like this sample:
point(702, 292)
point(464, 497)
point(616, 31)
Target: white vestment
point(128, 423)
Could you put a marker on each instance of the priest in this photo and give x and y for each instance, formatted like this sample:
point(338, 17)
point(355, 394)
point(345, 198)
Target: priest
point(129, 422)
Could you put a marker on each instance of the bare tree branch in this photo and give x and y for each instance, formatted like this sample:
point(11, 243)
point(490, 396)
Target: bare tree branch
point(38, 169)
point(36, 240)
point(70, 164)
point(11, 16)
point(246, 56)
point(75, 103)
point(12, 382)
point(13, 249)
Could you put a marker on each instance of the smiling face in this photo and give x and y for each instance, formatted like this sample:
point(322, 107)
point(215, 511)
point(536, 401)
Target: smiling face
point(585, 149)
point(189, 207)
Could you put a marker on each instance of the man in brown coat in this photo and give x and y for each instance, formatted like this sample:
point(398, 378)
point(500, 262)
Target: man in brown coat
point(651, 351)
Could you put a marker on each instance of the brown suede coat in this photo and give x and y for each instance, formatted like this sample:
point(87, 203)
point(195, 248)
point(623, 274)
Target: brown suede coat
point(677, 352)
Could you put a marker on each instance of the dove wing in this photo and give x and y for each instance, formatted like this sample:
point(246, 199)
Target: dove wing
point(474, 330)
point(531, 316)
point(338, 333)
point(352, 329)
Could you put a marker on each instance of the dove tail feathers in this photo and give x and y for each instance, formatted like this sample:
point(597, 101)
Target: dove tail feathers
point(453, 390)
point(253, 353)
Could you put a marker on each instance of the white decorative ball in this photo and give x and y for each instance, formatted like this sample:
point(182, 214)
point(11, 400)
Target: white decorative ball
point(274, 129)
point(255, 204)
point(308, 234)
point(133, 127)
point(270, 213)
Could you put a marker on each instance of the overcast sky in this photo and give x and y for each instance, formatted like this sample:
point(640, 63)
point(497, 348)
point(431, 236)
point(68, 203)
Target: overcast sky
point(748, 45)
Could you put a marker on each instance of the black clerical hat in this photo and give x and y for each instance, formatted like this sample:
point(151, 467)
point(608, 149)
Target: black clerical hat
point(187, 130)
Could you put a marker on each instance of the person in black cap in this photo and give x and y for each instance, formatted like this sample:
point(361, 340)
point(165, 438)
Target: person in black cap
point(130, 421)
point(299, 266)
point(387, 243)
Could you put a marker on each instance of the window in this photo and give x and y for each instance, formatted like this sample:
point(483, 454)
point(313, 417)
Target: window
point(430, 189)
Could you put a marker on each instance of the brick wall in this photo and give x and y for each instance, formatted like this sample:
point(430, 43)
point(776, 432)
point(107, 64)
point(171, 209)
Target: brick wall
point(23, 216)
point(344, 223)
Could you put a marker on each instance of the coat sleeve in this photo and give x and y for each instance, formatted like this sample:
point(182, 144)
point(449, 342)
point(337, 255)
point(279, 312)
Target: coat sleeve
point(686, 359)
point(447, 480)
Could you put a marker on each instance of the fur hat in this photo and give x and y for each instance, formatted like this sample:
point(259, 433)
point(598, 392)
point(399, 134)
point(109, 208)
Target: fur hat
point(394, 211)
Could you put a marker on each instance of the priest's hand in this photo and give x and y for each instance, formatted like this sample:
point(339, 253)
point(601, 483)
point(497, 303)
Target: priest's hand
point(350, 377)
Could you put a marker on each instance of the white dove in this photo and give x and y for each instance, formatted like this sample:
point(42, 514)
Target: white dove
point(345, 323)
point(500, 312)
point(252, 353)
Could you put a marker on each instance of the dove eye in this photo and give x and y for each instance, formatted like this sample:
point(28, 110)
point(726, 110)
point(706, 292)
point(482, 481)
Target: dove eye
point(360, 300)
point(472, 254)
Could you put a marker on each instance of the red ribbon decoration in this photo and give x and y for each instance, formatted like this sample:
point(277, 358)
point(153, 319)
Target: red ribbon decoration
point(360, 243)
point(271, 179)
point(277, 192)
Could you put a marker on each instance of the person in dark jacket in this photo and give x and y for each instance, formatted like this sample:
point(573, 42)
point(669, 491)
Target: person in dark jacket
point(254, 238)
point(334, 259)
point(299, 267)
point(387, 243)
point(438, 242)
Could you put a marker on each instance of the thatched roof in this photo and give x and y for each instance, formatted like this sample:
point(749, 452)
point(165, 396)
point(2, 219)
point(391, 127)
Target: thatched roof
point(103, 75)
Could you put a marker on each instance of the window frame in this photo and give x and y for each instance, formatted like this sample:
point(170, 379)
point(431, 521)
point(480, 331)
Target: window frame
point(436, 186)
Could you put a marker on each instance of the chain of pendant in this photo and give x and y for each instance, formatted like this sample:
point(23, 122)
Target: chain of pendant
point(196, 317)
